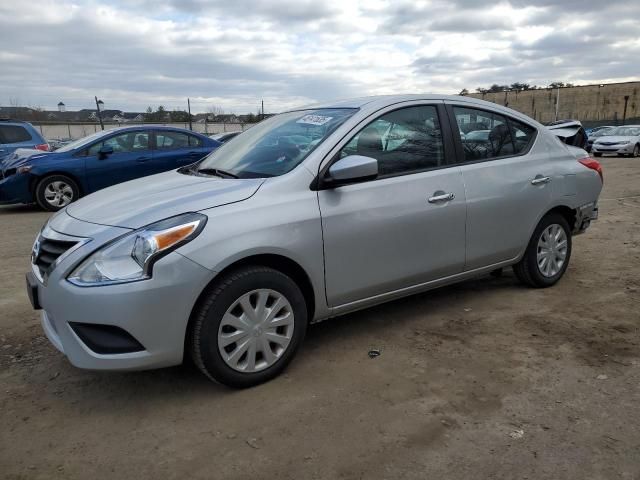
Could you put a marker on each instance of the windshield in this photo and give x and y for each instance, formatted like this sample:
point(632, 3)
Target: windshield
point(81, 142)
point(275, 146)
point(602, 132)
point(624, 132)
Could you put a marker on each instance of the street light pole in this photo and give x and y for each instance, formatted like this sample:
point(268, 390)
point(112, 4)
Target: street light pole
point(557, 103)
point(99, 113)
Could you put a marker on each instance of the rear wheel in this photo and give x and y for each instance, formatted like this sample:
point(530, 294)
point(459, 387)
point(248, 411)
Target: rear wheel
point(56, 192)
point(248, 327)
point(548, 253)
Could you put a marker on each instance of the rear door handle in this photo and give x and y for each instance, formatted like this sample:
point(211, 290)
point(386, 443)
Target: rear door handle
point(143, 159)
point(440, 196)
point(539, 180)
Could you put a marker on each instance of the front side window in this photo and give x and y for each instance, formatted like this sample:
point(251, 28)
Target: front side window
point(123, 143)
point(403, 141)
point(276, 145)
point(487, 135)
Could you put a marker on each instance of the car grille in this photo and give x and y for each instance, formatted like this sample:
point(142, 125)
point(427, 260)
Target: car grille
point(46, 251)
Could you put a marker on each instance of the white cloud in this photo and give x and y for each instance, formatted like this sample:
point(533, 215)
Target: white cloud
point(290, 52)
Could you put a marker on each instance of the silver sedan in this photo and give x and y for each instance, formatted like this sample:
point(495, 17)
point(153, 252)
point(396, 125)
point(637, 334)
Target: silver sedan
point(311, 214)
point(619, 140)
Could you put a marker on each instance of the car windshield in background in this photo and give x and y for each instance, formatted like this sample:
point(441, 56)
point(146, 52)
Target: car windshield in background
point(603, 132)
point(274, 146)
point(623, 132)
point(82, 141)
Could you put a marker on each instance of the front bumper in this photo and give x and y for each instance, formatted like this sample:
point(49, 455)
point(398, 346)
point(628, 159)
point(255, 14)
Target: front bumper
point(617, 149)
point(15, 189)
point(154, 312)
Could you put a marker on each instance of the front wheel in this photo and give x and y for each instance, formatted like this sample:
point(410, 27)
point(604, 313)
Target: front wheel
point(248, 326)
point(597, 154)
point(548, 253)
point(636, 151)
point(56, 192)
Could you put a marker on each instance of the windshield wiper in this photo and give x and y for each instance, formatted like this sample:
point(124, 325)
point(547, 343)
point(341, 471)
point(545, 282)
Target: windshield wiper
point(217, 172)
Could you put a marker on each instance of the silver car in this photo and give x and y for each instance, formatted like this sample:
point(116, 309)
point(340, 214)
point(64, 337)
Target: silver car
point(308, 215)
point(619, 140)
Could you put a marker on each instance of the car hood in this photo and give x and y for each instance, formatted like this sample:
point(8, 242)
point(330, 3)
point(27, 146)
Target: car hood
point(616, 138)
point(146, 200)
point(24, 155)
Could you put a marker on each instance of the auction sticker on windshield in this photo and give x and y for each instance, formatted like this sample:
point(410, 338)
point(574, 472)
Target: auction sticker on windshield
point(314, 120)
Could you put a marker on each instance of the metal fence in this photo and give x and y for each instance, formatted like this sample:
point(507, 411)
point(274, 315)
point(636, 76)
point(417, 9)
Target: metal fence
point(59, 131)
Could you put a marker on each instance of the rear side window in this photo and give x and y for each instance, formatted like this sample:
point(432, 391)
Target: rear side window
point(404, 141)
point(172, 140)
point(487, 135)
point(14, 134)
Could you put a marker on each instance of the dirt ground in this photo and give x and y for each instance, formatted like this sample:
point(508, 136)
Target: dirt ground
point(486, 379)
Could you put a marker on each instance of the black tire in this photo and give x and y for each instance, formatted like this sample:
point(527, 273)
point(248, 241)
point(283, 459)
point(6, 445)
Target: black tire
point(636, 151)
point(205, 323)
point(597, 154)
point(527, 269)
point(46, 182)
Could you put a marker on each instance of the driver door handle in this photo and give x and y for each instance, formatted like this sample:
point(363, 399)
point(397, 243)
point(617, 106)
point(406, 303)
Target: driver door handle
point(441, 197)
point(540, 180)
point(143, 159)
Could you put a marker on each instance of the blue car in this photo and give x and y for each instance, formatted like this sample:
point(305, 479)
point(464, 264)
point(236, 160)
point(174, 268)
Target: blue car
point(16, 134)
point(55, 179)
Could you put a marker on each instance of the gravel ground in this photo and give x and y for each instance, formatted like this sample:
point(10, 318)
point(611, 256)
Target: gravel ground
point(486, 379)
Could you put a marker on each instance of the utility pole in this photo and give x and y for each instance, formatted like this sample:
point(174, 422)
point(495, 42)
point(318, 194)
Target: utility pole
point(189, 111)
point(99, 113)
point(557, 103)
point(262, 117)
point(624, 114)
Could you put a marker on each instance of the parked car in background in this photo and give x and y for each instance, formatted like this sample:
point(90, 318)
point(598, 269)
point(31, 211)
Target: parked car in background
point(310, 214)
point(601, 131)
point(226, 136)
point(578, 137)
point(55, 179)
point(593, 130)
point(16, 134)
point(56, 143)
point(623, 141)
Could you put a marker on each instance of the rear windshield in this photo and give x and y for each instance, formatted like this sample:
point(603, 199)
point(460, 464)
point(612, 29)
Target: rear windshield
point(276, 145)
point(14, 134)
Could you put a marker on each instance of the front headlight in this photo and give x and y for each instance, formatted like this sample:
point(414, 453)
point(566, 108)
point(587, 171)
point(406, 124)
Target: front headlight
point(626, 142)
point(131, 257)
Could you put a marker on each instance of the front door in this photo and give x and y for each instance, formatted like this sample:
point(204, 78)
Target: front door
point(131, 158)
point(407, 226)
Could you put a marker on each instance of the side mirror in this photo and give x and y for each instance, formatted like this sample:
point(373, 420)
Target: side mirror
point(105, 150)
point(352, 169)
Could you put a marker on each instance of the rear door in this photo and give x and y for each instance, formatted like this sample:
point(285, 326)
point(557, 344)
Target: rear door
point(174, 149)
point(131, 158)
point(507, 183)
point(407, 226)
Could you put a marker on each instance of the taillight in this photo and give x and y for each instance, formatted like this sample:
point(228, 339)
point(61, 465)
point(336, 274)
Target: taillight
point(43, 146)
point(593, 165)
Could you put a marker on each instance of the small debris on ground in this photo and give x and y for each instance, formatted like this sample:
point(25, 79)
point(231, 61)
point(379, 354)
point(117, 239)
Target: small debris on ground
point(519, 433)
point(602, 377)
point(253, 443)
point(374, 353)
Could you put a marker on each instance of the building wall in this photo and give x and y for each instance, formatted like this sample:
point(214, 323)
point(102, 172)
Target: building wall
point(591, 104)
point(52, 131)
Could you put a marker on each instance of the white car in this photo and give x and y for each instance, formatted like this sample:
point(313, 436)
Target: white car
point(619, 140)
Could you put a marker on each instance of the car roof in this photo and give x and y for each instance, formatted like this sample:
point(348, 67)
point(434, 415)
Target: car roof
point(151, 126)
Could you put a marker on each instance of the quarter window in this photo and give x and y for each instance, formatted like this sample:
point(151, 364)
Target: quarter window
point(487, 135)
point(403, 141)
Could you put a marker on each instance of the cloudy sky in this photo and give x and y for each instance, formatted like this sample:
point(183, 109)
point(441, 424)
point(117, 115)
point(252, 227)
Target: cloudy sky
point(231, 54)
